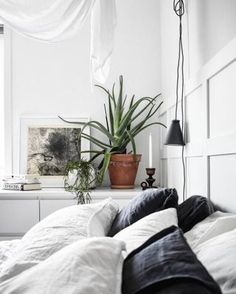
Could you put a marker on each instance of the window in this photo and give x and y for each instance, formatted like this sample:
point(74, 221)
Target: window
point(1, 101)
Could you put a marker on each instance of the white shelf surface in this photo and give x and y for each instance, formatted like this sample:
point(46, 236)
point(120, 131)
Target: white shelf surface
point(60, 193)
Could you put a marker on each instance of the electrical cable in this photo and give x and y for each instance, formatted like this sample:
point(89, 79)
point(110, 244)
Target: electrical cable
point(179, 9)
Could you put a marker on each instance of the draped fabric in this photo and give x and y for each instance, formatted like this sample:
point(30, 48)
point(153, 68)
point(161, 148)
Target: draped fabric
point(103, 22)
point(56, 20)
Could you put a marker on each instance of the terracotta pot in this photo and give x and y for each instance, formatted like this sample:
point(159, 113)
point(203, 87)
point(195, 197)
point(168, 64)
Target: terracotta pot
point(123, 170)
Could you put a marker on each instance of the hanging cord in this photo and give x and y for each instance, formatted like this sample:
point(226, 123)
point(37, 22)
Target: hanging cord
point(178, 6)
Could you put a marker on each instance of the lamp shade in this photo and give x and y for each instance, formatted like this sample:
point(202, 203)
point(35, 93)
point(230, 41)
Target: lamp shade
point(175, 135)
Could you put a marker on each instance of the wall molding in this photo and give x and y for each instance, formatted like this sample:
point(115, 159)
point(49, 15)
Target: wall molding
point(219, 62)
point(204, 149)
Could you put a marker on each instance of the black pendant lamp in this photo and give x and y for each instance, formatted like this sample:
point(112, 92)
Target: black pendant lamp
point(175, 136)
point(175, 132)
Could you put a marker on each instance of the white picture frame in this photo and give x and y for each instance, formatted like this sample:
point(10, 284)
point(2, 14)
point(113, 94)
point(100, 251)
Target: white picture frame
point(52, 122)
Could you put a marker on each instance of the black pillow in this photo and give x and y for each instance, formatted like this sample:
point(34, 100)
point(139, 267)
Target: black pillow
point(147, 202)
point(166, 264)
point(192, 211)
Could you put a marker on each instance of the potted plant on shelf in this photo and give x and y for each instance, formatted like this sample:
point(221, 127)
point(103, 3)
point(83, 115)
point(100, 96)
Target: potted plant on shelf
point(123, 122)
point(80, 178)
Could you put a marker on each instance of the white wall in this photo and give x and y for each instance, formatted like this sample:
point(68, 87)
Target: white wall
point(169, 41)
point(208, 26)
point(52, 79)
point(210, 50)
point(212, 24)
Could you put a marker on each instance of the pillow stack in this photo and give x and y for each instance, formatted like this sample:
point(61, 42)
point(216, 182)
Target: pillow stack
point(68, 252)
point(214, 241)
point(160, 260)
point(166, 264)
point(144, 216)
point(147, 202)
point(58, 254)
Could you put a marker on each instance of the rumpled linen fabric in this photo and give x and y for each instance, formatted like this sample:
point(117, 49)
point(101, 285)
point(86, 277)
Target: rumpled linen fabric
point(56, 20)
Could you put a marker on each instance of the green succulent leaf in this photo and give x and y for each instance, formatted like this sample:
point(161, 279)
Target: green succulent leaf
point(119, 108)
point(128, 116)
point(132, 141)
point(106, 161)
point(94, 124)
point(108, 93)
point(90, 151)
point(147, 126)
point(95, 141)
point(96, 155)
point(111, 117)
point(113, 94)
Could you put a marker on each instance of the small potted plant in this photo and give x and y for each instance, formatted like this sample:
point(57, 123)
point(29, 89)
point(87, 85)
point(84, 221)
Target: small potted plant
point(80, 178)
point(123, 122)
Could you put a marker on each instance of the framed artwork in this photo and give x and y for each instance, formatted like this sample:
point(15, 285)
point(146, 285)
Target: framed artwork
point(47, 144)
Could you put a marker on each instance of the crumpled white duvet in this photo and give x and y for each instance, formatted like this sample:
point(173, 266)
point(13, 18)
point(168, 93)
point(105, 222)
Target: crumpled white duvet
point(67, 252)
point(89, 266)
point(58, 230)
point(6, 250)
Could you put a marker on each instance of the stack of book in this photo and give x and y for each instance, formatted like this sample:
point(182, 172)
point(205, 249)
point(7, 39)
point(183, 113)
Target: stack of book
point(22, 183)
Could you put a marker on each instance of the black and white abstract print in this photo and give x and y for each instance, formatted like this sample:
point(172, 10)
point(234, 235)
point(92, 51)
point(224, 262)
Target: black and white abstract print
point(50, 148)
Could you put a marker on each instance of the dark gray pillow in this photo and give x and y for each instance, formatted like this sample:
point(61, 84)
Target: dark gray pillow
point(147, 202)
point(165, 264)
point(192, 211)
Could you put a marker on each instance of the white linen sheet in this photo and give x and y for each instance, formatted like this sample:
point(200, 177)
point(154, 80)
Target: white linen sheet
point(6, 250)
point(89, 266)
point(58, 230)
point(218, 255)
point(215, 224)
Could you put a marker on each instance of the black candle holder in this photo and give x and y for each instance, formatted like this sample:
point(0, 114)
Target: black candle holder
point(148, 184)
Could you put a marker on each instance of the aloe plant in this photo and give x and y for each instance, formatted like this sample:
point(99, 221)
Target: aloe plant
point(122, 124)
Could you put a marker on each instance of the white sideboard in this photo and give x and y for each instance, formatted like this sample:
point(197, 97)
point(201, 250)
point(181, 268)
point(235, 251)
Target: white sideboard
point(20, 210)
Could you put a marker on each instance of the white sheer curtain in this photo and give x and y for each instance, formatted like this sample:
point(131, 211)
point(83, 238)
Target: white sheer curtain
point(55, 20)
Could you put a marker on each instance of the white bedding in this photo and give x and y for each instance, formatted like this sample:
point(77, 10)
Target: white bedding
point(214, 225)
point(58, 230)
point(89, 266)
point(218, 255)
point(139, 232)
point(214, 242)
point(68, 253)
point(6, 250)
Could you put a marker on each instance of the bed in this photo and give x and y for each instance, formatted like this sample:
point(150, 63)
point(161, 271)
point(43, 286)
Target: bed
point(153, 245)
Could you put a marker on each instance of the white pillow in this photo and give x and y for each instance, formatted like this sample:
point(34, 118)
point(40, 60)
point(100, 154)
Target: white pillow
point(58, 230)
point(89, 266)
point(218, 255)
point(140, 231)
point(213, 225)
